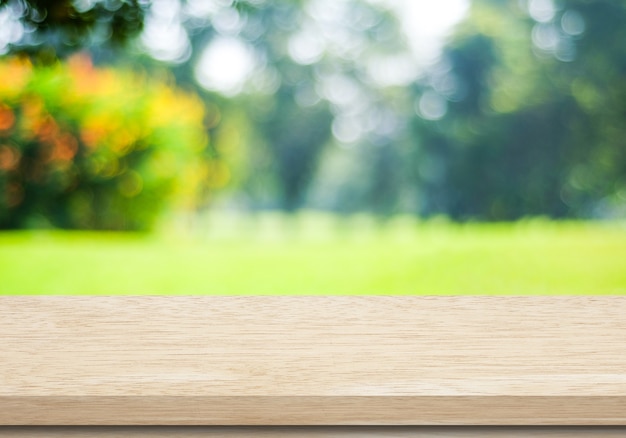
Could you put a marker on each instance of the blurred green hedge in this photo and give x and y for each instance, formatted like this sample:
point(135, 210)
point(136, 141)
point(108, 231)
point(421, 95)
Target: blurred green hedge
point(91, 148)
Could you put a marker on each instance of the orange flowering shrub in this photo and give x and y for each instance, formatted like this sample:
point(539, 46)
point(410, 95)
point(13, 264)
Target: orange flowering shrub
point(84, 147)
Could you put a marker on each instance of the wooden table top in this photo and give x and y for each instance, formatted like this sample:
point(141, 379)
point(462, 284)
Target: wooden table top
point(312, 360)
point(311, 432)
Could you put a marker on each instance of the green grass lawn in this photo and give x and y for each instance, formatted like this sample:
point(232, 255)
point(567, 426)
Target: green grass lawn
point(311, 257)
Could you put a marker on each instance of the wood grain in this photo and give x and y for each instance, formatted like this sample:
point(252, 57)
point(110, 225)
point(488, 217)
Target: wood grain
point(311, 432)
point(313, 360)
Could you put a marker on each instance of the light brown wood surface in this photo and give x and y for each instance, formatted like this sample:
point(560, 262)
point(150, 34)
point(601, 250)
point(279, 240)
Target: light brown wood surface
point(312, 432)
point(313, 360)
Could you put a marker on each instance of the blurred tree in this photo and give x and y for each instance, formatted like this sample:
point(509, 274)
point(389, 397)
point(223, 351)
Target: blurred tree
point(323, 58)
point(523, 115)
point(51, 28)
point(82, 147)
point(127, 151)
point(531, 119)
point(314, 81)
point(294, 138)
point(317, 65)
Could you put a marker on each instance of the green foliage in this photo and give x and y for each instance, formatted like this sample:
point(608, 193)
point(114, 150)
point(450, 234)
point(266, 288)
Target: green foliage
point(313, 63)
point(58, 27)
point(535, 125)
point(523, 115)
point(82, 147)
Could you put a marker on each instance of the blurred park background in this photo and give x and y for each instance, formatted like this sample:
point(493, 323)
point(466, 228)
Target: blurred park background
point(312, 147)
